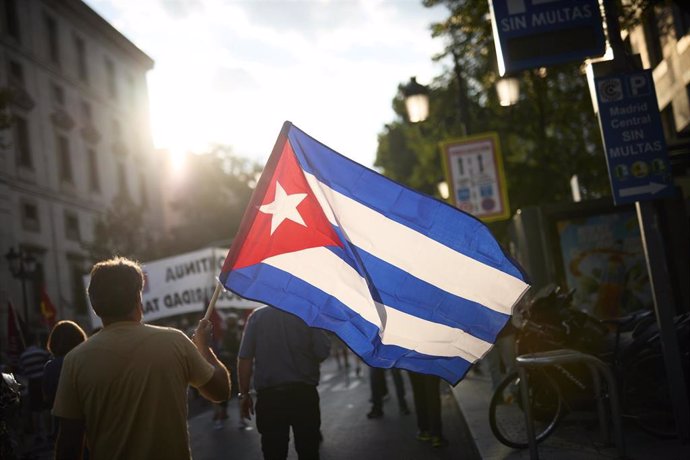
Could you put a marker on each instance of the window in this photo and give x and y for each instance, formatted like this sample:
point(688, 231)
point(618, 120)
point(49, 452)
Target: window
point(64, 160)
point(30, 220)
point(110, 75)
point(681, 20)
point(117, 130)
point(21, 129)
point(12, 19)
point(668, 122)
point(16, 74)
point(651, 36)
point(142, 190)
point(122, 180)
point(78, 291)
point(82, 68)
point(72, 226)
point(665, 26)
point(52, 43)
point(86, 114)
point(92, 164)
point(58, 96)
point(132, 91)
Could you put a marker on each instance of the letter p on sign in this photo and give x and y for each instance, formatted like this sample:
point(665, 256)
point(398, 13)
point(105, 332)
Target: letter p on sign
point(639, 86)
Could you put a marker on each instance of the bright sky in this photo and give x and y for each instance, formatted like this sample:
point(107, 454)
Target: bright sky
point(232, 71)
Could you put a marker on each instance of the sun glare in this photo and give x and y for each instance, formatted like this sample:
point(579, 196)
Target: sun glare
point(176, 160)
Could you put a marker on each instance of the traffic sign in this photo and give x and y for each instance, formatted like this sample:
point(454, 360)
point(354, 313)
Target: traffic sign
point(633, 136)
point(474, 172)
point(540, 33)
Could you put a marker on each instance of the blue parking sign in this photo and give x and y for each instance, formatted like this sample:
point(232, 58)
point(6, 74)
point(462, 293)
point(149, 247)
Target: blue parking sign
point(636, 153)
point(540, 33)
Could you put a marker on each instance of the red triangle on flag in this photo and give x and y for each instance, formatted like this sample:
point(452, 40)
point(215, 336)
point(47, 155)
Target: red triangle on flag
point(289, 217)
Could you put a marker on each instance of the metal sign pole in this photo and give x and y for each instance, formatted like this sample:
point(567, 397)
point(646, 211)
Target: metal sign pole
point(655, 257)
point(653, 246)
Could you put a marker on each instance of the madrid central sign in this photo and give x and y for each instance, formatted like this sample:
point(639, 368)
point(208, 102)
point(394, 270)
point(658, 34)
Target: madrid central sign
point(630, 123)
point(540, 33)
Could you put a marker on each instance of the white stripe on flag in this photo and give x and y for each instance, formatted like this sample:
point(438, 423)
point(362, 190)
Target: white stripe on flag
point(324, 270)
point(417, 254)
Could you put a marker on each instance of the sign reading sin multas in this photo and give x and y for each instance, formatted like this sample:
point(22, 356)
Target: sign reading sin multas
point(540, 33)
point(633, 136)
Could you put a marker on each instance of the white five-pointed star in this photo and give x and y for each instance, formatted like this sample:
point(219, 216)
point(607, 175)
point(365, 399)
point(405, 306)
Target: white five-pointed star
point(283, 207)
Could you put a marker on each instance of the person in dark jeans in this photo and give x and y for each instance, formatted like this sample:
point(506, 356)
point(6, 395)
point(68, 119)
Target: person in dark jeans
point(283, 355)
point(379, 390)
point(427, 404)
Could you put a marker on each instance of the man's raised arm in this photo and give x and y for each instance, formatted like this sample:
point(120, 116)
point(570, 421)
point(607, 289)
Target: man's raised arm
point(218, 388)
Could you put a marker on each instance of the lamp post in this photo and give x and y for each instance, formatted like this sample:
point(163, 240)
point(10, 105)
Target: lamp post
point(416, 101)
point(508, 90)
point(417, 97)
point(23, 267)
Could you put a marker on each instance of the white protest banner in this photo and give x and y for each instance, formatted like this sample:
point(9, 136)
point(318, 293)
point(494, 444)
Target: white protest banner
point(182, 284)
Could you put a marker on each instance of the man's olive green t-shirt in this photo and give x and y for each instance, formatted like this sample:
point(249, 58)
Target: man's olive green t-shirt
point(129, 384)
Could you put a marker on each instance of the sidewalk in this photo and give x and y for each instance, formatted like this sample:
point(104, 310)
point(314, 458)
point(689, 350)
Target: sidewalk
point(572, 440)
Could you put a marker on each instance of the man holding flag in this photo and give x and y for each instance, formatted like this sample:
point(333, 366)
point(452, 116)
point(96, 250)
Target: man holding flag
point(125, 388)
point(405, 280)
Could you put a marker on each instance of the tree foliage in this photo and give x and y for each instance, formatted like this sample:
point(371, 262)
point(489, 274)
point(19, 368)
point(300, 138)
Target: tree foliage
point(209, 205)
point(122, 231)
point(212, 203)
point(548, 136)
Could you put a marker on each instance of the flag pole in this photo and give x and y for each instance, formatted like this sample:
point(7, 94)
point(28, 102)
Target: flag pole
point(212, 303)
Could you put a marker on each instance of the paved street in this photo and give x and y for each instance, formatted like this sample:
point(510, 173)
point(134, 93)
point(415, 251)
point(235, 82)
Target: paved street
point(347, 432)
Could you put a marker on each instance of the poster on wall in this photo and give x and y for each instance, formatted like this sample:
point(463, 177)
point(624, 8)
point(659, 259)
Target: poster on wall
point(604, 262)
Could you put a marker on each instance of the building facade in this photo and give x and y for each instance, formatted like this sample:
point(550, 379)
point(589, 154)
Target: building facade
point(79, 139)
point(662, 41)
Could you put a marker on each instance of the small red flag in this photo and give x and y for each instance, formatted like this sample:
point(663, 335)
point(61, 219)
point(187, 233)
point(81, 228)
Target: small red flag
point(15, 337)
point(47, 309)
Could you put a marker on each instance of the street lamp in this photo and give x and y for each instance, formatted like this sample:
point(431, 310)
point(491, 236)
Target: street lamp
point(416, 100)
point(508, 90)
point(23, 267)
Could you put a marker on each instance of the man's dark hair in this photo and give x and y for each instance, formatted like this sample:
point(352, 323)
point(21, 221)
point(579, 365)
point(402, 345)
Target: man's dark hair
point(65, 336)
point(115, 287)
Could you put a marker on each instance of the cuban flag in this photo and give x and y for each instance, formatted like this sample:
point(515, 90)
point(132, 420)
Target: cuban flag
point(403, 279)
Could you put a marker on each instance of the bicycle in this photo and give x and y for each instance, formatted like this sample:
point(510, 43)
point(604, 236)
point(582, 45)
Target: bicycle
point(635, 357)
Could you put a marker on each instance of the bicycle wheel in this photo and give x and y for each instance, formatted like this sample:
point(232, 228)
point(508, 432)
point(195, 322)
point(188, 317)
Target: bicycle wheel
point(506, 416)
point(646, 397)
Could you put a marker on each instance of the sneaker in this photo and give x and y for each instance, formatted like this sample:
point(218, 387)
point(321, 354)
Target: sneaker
point(439, 441)
point(423, 436)
point(375, 413)
point(218, 425)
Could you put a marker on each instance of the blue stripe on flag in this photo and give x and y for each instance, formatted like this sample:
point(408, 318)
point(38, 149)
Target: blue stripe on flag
point(402, 291)
point(270, 285)
point(433, 218)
